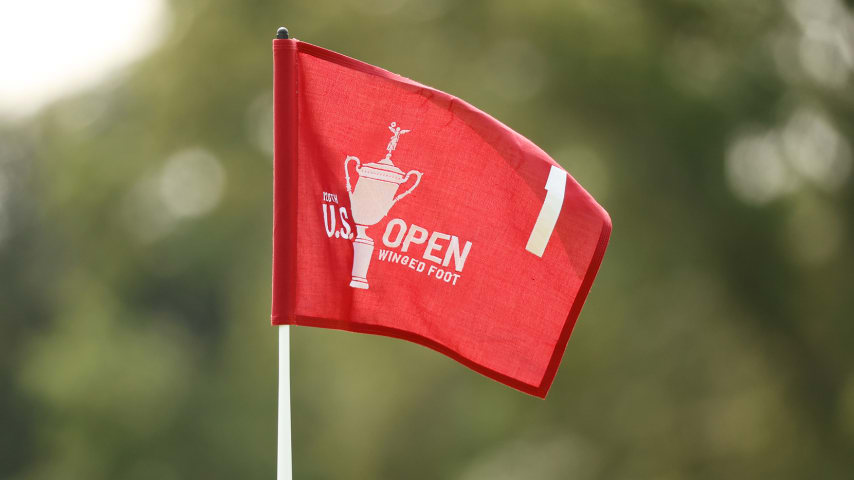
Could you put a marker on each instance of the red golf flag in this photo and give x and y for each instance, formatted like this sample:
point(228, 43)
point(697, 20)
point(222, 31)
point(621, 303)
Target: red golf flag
point(403, 211)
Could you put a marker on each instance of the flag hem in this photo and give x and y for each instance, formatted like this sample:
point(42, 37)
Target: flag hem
point(285, 159)
point(575, 311)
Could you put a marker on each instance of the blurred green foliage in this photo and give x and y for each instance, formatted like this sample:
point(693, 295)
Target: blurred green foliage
point(716, 342)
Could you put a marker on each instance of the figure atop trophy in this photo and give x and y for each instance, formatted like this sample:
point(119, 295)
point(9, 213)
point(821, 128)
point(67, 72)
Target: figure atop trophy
point(371, 198)
point(392, 144)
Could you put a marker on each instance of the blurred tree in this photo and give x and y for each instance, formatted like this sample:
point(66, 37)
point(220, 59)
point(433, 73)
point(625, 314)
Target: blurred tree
point(135, 252)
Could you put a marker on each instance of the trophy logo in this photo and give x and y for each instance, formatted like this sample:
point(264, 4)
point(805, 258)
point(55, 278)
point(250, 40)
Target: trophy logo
point(371, 199)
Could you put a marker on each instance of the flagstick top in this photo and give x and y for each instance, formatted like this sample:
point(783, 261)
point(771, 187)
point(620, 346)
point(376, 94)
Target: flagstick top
point(282, 33)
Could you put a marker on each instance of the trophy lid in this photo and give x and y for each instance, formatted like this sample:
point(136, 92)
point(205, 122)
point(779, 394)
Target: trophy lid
point(382, 170)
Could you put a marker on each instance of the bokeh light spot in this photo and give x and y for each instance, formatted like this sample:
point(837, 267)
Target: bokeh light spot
point(816, 150)
point(756, 170)
point(191, 183)
point(50, 48)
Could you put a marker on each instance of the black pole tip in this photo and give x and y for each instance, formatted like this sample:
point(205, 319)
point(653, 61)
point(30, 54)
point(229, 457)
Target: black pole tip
point(282, 33)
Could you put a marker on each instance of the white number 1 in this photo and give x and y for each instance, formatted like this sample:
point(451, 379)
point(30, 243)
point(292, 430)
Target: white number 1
point(546, 221)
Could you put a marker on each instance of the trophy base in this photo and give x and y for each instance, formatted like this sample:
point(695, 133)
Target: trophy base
point(363, 249)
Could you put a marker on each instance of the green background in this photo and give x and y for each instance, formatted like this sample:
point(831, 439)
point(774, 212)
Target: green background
point(716, 342)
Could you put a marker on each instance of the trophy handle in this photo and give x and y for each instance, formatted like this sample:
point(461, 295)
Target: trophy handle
point(347, 172)
point(410, 189)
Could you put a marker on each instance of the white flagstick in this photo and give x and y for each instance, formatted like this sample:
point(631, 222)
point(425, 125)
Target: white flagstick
point(283, 464)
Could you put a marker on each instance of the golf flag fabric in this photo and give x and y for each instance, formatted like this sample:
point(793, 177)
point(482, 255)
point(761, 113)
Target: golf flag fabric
point(400, 210)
